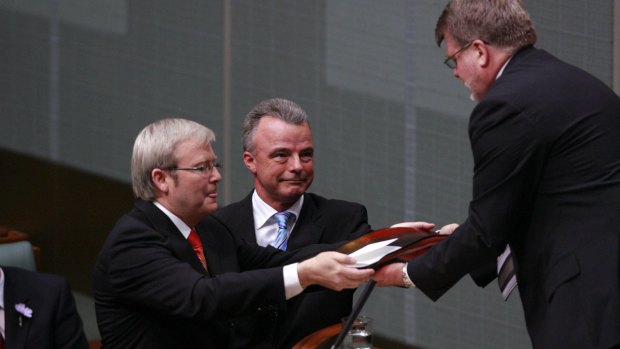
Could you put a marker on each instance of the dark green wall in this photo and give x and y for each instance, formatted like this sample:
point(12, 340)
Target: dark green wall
point(66, 212)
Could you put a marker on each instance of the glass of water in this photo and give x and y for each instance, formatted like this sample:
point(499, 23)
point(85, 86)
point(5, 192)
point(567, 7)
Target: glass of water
point(360, 334)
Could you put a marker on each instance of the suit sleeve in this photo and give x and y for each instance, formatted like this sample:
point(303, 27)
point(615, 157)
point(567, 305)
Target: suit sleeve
point(485, 274)
point(142, 268)
point(507, 158)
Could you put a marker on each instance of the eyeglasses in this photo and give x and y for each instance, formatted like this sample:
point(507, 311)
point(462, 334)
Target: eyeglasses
point(451, 60)
point(204, 169)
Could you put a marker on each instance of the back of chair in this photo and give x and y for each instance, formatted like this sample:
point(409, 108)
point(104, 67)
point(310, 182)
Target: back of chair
point(18, 254)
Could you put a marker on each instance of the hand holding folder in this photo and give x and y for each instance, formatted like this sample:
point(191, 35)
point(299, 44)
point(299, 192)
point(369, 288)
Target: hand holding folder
point(382, 247)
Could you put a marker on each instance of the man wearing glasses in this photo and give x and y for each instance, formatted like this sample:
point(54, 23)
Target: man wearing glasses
point(546, 191)
point(163, 282)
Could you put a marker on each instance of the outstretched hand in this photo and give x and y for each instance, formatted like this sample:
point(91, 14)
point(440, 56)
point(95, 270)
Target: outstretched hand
point(448, 229)
point(445, 230)
point(390, 275)
point(332, 270)
point(419, 225)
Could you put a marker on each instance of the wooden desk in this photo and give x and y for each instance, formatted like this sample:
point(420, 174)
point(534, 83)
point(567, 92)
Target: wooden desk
point(321, 339)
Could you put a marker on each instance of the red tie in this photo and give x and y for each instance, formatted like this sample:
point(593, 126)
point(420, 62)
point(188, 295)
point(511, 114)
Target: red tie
point(194, 240)
point(1, 342)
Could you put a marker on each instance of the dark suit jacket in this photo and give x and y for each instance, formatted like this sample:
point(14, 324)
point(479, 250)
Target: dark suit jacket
point(546, 146)
point(321, 221)
point(54, 324)
point(152, 292)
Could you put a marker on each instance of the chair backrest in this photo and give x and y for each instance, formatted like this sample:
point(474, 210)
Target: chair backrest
point(18, 254)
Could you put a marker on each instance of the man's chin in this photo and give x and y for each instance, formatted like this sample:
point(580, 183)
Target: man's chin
point(293, 195)
point(211, 207)
point(297, 189)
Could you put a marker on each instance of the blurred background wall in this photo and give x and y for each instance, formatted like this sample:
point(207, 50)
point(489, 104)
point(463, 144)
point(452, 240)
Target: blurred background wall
point(80, 78)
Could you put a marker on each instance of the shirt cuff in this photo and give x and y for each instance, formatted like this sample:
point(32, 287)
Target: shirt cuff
point(292, 286)
point(406, 280)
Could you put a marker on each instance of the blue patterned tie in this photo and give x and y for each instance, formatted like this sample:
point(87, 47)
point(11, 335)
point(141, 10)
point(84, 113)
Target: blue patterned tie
point(281, 240)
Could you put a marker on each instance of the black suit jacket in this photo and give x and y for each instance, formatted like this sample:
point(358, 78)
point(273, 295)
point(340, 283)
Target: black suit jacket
point(54, 324)
point(546, 146)
point(152, 292)
point(321, 221)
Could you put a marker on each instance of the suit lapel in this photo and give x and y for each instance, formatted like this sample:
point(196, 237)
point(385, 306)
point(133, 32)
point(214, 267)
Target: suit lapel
point(243, 227)
point(239, 226)
point(177, 242)
point(309, 227)
point(217, 242)
point(17, 326)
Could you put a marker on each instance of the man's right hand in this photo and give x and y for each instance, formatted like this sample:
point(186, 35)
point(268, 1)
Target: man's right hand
point(332, 270)
point(390, 275)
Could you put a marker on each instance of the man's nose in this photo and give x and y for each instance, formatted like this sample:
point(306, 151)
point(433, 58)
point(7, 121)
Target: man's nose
point(216, 176)
point(295, 162)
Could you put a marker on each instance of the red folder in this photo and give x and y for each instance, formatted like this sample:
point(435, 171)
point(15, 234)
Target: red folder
point(412, 242)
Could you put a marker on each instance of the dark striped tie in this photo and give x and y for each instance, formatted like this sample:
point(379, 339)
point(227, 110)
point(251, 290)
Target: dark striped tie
point(506, 276)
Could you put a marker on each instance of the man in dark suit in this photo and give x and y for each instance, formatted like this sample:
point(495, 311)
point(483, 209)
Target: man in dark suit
point(153, 282)
point(38, 311)
point(545, 140)
point(279, 152)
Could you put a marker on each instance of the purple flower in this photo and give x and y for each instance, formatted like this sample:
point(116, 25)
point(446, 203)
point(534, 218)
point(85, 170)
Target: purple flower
point(23, 309)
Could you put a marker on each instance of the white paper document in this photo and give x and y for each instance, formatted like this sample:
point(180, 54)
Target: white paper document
point(371, 253)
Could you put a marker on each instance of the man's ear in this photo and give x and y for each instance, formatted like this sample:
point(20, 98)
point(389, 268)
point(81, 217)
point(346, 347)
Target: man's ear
point(249, 161)
point(158, 177)
point(482, 53)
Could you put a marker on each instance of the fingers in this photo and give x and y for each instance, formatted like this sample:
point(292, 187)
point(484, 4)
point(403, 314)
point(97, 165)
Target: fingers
point(341, 257)
point(421, 225)
point(343, 275)
point(445, 230)
point(332, 270)
point(448, 229)
point(390, 275)
point(352, 278)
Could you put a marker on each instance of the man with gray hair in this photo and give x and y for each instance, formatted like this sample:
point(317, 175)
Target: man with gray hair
point(162, 281)
point(546, 184)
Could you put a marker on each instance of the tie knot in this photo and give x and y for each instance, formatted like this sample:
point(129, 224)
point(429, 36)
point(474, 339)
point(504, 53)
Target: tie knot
point(283, 218)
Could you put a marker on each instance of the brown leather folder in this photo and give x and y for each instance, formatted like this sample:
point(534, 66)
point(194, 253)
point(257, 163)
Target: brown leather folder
point(412, 242)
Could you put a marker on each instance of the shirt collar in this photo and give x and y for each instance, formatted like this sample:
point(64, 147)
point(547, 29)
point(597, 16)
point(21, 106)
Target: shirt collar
point(183, 228)
point(501, 71)
point(263, 212)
